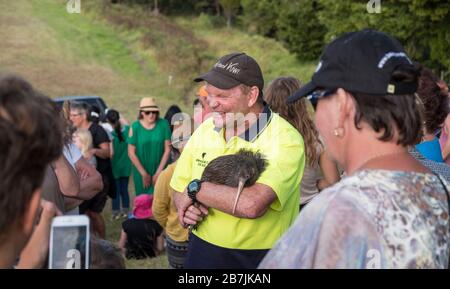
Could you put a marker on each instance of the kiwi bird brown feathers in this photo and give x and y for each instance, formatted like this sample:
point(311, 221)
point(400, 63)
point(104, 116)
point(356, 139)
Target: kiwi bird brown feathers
point(237, 170)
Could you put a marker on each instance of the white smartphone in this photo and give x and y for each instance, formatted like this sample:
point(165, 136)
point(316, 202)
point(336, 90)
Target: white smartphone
point(69, 243)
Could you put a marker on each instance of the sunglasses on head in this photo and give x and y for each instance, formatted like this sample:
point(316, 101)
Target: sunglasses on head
point(149, 112)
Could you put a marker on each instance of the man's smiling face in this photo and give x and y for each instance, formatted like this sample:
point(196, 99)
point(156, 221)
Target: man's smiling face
point(226, 104)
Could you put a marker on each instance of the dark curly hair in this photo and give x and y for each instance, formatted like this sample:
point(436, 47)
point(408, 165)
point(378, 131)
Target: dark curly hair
point(434, 101)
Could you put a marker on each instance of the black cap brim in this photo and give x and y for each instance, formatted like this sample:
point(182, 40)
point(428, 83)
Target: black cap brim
point(306, 90)
point(218, 80)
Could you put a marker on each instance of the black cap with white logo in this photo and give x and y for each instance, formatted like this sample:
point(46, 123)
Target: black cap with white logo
point(361, 62)
point(232, 70)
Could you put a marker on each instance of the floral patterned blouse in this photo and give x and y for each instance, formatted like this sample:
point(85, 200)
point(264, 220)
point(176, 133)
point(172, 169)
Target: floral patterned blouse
point(371, 219)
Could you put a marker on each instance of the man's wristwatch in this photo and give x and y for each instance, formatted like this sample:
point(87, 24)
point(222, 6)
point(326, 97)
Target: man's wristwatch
point(193, 188)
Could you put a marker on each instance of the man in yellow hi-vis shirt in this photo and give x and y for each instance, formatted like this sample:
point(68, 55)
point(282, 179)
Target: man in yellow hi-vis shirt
point(264, 210)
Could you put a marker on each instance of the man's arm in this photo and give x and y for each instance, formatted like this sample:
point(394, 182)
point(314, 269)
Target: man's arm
point(102, 152)
point(102, 140)
point(253, 202)
point(71, 203)
point(35, 253)
point(90, 183)
point(67, 177)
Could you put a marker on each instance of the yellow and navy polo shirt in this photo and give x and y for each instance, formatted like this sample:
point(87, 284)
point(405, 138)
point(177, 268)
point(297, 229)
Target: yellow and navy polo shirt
point(282, 146)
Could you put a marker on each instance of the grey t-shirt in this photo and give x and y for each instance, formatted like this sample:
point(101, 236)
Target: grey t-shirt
point(312, 174)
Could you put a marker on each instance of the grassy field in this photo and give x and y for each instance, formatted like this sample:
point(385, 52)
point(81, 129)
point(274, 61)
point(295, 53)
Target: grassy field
point(273, 58)
point(73, 54)
point(123, 54)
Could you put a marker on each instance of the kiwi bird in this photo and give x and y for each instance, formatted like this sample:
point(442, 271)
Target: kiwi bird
point(237, 170)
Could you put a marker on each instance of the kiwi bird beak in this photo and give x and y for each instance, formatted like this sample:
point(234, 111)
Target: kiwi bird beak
point(239, 190)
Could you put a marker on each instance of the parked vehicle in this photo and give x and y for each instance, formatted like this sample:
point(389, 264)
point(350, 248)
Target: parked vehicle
point(91, 100)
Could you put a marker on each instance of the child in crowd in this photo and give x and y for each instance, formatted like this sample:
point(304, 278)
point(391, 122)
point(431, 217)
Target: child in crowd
point(83, 140)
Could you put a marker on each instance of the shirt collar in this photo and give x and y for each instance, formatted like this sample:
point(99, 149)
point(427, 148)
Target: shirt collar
point(256, 128)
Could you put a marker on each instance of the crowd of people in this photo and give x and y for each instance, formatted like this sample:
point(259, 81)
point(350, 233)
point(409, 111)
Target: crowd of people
point(357, 168)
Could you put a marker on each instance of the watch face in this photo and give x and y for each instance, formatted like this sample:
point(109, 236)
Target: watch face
point(193, 186)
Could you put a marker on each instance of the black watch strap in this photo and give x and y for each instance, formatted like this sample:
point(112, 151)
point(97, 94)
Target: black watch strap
point(193, 196)
point(193, 189)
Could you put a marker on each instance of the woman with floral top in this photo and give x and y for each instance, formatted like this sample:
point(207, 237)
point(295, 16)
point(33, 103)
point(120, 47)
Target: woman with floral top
point(389, 211)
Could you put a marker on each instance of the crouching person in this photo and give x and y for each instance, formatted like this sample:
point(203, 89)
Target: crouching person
point(141, 236)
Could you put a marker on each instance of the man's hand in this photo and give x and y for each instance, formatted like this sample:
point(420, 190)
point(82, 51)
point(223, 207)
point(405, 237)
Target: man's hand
point(194, 214)
point(182, 202)
point(188, 214)
point(35, 252)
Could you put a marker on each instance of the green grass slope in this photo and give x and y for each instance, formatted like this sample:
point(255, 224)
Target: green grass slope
point(124, 54)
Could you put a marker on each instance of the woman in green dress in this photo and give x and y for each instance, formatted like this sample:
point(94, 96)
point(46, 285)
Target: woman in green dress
point(148, 146)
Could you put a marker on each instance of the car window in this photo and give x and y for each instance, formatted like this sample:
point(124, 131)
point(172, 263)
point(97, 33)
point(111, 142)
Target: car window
point(91, 101)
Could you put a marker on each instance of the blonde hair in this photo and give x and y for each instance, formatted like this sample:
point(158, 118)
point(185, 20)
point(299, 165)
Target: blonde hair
point(295, 113)
point(85, 138)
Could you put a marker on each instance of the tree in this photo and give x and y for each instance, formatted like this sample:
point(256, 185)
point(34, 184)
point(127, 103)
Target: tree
point(230, 9)
point(155, 7)
point(217, 6)
point(210, 7)
point(299, 29)
point(260, 16)
point(422, 26)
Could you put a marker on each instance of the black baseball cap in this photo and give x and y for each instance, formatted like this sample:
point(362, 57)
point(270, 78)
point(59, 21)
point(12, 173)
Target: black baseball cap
point(234, 69)
point(361, 62)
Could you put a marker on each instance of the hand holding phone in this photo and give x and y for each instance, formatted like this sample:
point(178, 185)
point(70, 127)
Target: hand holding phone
point(69, 243)
point(35, 253)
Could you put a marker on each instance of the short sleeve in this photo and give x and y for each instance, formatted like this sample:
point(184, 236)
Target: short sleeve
point(133, 139)
point(285, 168)
point(125, 133)
point(100, 136)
